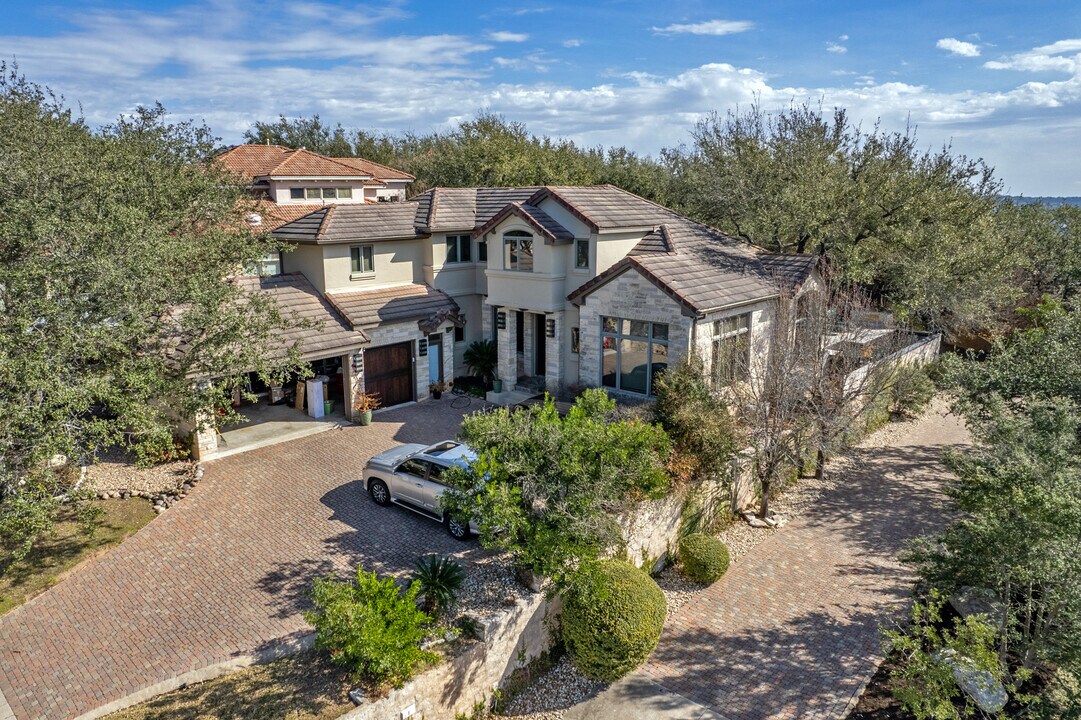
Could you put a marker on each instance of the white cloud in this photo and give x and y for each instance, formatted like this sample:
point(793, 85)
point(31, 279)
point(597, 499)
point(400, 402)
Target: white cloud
point(835, 48)
point(709, 27)
point(237, 70)
point(506, 36)
point(572, 43)
point(958, 47)
point(843, 38)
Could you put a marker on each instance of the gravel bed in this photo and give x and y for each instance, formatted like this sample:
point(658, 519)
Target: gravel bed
point(562, 686)
point(552, 693)
point(116, 471)
point(677, 589)
point(490, 586)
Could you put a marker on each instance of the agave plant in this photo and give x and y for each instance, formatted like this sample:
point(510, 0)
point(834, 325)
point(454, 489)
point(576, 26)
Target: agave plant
point(482, 359)
point(439, 579)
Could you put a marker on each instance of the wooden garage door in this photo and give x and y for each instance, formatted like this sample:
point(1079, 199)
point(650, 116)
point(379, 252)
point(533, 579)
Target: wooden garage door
point(388, 371)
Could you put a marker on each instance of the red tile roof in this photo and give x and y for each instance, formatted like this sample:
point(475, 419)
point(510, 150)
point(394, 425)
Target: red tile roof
point(255, 161)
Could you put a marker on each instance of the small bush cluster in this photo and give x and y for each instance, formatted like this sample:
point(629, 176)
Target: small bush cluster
point(438, 580)
point(371, 626)
point(612, 618)
point(704, 558)
point(910, 391)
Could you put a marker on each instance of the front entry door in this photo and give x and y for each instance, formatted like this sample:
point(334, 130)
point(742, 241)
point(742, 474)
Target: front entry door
point(539, 338)
point(435, 358)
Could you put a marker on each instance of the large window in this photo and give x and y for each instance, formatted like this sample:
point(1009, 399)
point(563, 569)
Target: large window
point(731, 350)
point(581, 253)
point(459, 249)
point(632, 353)
point(363, 259)
point(518, 251)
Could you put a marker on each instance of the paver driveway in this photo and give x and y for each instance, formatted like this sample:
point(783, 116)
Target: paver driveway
point(220, 575)
point(792, 631)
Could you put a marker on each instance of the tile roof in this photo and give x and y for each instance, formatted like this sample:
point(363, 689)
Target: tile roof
point(253, 161)
point(324, 331)
point(441, 209)
point(376, 170)
point(274, 215)
point(352, 223)
point(542, 222)
point(704, 269)
point(607, 207)
point(368, 308)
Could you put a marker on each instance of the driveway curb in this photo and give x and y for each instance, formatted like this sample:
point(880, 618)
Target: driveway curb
point(276, 651)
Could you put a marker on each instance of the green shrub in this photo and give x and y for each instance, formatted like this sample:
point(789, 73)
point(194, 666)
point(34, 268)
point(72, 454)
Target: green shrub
point(438, 579)
point(704, 558)
point(695, 418)
point(612, 618)
point(910, 390)
point(370, 626)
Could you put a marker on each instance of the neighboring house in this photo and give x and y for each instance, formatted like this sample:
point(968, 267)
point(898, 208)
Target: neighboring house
point(288, 178)
point(578, 286)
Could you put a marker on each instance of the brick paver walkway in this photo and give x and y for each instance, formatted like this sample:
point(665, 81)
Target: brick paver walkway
point(221, 574)
point(792, 630)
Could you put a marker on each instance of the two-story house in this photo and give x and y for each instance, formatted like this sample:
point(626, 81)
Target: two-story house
point(578, 286)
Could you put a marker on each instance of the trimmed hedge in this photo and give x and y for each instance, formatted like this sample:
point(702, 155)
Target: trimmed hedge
point(704, 558)
point(612, 618)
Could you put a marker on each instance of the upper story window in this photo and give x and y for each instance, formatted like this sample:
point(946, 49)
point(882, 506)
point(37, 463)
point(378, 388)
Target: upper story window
point(731, 350)
point(482, 251)
point(518, 251)
point(459, 249)
point(363, 258)
point(581, 253)
point(632, 353)
point(340, 193)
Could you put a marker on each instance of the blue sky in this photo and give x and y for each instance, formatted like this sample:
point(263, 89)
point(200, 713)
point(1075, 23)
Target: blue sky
point(1000, 80)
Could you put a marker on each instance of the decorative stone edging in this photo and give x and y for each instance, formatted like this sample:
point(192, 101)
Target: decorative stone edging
point(161, 501)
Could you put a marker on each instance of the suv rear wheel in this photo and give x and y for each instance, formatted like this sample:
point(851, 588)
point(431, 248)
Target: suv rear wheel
point(456, 527)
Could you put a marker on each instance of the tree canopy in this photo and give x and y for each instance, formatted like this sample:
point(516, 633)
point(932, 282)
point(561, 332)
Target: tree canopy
point(115, 250)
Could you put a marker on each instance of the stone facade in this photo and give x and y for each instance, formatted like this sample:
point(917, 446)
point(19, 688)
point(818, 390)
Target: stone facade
point(409, 332)
point(554, 353)
point(633, 297)
point(508, 353)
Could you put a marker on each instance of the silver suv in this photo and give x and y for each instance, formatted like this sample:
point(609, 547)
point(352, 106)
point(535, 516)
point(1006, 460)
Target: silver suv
point(409, 475)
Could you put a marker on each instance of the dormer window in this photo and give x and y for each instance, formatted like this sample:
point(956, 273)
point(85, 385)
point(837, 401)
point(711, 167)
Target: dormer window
point(518, 251)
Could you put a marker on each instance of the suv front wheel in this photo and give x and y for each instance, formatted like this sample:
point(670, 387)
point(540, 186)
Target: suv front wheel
point(379, 491)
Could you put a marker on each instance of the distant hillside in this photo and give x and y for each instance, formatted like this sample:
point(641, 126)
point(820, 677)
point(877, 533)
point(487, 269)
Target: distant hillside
point(1049, 201)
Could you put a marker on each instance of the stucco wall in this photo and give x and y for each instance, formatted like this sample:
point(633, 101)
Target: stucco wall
point(396, 262)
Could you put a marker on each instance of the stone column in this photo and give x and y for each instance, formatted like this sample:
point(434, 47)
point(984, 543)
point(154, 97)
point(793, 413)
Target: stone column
point(508, 352)
point(352, 380)
point(554, 367)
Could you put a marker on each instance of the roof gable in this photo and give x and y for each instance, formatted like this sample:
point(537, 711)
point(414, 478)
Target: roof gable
point(552, 232)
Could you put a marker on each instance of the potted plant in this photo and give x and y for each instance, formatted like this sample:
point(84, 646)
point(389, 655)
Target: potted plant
point(482, 359)
point(438, 388)
point(364, 404)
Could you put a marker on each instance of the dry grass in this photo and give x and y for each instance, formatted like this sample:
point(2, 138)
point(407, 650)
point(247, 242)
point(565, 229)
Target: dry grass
point(69, 545)
point(305, 686)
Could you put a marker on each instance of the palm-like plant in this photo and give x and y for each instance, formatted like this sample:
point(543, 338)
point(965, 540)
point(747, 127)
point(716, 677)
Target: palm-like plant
point(482, 359)
point(439, 579)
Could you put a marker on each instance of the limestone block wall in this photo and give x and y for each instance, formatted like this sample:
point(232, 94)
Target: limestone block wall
point(633, 297)
point(512, 639)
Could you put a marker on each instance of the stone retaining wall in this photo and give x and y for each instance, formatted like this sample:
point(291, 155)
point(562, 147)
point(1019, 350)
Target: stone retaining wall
point(511, 640)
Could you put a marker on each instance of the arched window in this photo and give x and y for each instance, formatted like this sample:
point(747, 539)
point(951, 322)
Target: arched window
point(518, 251)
